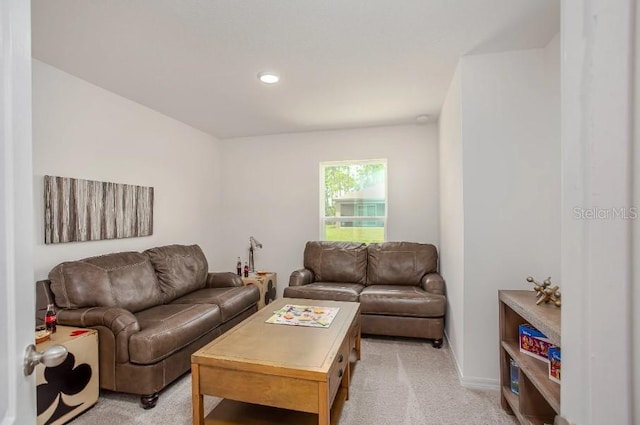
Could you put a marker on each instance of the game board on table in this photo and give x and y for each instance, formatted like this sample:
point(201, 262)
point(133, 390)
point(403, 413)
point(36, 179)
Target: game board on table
point(304, 315)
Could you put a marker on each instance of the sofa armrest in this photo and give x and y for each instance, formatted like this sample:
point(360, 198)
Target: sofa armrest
point(301, 277)
point(433, 283)
point(122, 323)
point(223, 280)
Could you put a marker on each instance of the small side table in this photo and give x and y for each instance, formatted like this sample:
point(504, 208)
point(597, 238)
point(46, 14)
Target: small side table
point(66, 390)
point(267, 283)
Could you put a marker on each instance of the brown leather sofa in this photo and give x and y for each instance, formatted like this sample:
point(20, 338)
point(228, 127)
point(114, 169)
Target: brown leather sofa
point(396, 283)
point(152, 310)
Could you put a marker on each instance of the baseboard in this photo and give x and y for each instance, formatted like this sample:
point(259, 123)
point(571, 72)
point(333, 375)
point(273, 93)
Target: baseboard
point(480, 383)
point(453, 357)
point(469, 381)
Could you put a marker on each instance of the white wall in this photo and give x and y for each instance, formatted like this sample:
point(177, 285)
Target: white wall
point(511, 155)
point(452, 216)
point(510, 147)
point(271, 189)
point(83, 131)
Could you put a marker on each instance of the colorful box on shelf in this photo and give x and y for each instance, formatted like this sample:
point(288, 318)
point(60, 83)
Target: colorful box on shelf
point(534, 343)
point(514, 374)
point(554, 363)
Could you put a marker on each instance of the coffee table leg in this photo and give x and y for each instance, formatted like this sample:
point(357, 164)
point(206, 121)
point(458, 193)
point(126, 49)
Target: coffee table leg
point(358, 334)
point(323, 404)
point(346, 380)
point(198, 407)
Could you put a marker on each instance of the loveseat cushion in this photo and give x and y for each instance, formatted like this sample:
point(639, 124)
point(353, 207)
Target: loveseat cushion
point(125, 279)
point(231, 300)
point(165, 329)
point(335, 291)
point(340, 262)
point(180, 269)
point(400, 263)
point(397, 300)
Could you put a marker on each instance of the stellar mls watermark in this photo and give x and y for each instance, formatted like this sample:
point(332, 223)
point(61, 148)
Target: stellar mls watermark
point(596, 213)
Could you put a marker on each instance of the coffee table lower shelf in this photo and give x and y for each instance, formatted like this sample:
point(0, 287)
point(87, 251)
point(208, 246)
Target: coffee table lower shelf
point(231, 412)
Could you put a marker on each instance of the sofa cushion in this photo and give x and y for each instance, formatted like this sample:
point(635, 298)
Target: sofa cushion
point(232, 300)
point(397, 300)
point(400, 263)
point(125, 279)
point(165, 329)
point(180, 269)
point(340, 262)
point(335, 291)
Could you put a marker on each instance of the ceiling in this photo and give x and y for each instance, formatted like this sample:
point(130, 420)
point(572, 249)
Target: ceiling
point(343, 63)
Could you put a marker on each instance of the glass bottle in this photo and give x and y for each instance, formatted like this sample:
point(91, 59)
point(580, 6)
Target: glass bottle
point(239, 267)
point(50, 319)
point(246, 269)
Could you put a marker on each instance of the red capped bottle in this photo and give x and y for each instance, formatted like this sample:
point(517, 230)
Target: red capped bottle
point(51, 319)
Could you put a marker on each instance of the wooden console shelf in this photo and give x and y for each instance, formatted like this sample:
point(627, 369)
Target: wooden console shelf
point(539, 399)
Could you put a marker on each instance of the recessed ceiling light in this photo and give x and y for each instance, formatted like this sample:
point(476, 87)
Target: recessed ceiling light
point(269, 77)
point(422, 119)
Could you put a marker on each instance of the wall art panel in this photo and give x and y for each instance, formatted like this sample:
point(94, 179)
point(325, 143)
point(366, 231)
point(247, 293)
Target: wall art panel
point(87, 210)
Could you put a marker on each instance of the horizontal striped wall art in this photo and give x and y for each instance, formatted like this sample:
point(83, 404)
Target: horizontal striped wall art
point(85, 210)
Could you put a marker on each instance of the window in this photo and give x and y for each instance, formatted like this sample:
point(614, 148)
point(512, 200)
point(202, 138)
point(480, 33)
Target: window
point(353, 201)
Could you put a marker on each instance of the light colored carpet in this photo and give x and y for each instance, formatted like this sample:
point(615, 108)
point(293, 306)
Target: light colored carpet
point(397, 382)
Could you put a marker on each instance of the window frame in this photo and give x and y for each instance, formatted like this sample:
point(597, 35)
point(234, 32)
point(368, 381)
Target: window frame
point(323, 219)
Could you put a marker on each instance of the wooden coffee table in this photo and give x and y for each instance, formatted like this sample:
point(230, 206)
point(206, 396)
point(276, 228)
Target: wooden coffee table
point(303, 369)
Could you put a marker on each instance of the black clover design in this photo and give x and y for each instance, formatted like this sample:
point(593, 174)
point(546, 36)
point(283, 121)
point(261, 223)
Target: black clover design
point(60, 379)
point(270, 293)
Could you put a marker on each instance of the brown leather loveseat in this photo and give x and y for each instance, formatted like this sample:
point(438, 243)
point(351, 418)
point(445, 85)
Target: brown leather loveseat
point(152, 310)
point(396, 283)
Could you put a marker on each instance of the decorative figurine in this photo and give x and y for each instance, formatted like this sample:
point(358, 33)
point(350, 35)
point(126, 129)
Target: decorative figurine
point(539, 287)
point(545, 292)
point(253, 243)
